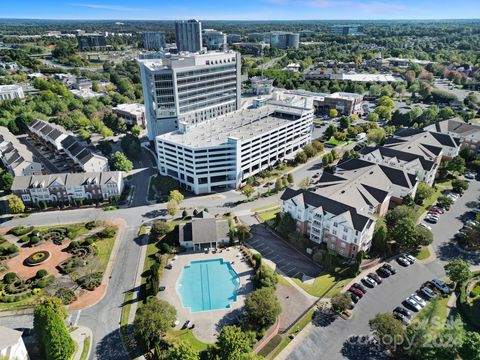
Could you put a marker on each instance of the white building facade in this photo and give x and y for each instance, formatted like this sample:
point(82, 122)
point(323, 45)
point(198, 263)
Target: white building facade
point(10, 92)
point(189, 88)
point(221, 153)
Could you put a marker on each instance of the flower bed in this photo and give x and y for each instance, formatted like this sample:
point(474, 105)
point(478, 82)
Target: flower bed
point(37, 258)
point(55, 235)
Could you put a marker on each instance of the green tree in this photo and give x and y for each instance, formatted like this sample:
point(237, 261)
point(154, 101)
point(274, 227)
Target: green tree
point(6, 180)
point(444, 201)
point(373, 117)
point(262, 307)
point(387, 328)
point(398, 213)
point(345, 122)
point(15, 204)
point(457, 270)
point(233, 344)
point(341, 302)
point(136, 130)
point(379, 240)
point(278, 185)
point(387, 102)
point(131, 146)
point(318, 145)
point(424, 191)
point(172, 207)
point(457, 164)
point(384, 113)
point(248, 190)
point(333, 113)
point(153, 320)
point(159, 229)
point(471, 346)
point(105, 147)
point(243, 231)
point(266, 277)
point(304, 183)
point(290, 178)
point(405, 234)
point(459, 185)
point(301, 157)
point(310, 151)
point(329, 131)
point(376, 136)
point(120, 162)
point(176, 195)
point(181, 350)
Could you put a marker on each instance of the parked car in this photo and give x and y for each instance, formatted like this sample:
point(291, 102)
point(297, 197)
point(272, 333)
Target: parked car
point(383, 272)
point(405, 321)
point(428, 293)
point(470, 176)
point(360, 287)
point(354, 297)
point(431, 219)
point(402, 261)
point(403, 311)
point(412, 304)
point(437, 210)
point(409, 258)
point(355, 291)
point(375, 277)
point(472, 223)
point(389, 268)
point(369, 282)
point(425, 226)
point(440, 285)
point(419, 300)
point(434, 215)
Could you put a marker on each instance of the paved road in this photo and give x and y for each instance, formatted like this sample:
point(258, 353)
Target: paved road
point(330, 342)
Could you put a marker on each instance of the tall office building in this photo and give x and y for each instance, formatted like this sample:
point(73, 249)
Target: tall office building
point(213, 39)
point(153, 40)
point(189, 88)
point(284, 40)
point(91, 42)
point(188, 35)
point(345, 29)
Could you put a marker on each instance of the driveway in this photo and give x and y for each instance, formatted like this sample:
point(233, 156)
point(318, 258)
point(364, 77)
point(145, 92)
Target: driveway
point(287, 259)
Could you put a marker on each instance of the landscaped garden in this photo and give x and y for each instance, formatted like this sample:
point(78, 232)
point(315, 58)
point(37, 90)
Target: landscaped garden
point(64, 261)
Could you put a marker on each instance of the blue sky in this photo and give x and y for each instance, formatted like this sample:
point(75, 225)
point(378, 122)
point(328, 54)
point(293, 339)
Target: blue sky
point(241, 9)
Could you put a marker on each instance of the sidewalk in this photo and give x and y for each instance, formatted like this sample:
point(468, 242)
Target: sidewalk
point(79, 335)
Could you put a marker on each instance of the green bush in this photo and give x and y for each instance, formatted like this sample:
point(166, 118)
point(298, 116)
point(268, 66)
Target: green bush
point(164, 248)
point(20, 230)
point(92, 281)
point(43, 283)
point(66, 295)
point(475, 291)
point(24, 239)
point(34, 240)
point(107, 233)
point(9, 278)
point(91, 225)
point(41, 274)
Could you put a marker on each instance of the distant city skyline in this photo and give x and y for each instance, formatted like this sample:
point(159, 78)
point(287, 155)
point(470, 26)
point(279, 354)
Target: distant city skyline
point(241, 10)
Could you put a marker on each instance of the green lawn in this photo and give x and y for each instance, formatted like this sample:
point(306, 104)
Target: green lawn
point(86, 347)
point(283, 281)
point(270, 346)
point(441, 186)
point(321, 284)
point(104, 248)
point(265, 207)
point(268, 215)
point(143, 230)
point(423, 253)
point(335, 142)
point(187, 336)
point(435, 314)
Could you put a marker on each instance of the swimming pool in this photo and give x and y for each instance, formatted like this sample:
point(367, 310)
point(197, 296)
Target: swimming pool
point(208, 285)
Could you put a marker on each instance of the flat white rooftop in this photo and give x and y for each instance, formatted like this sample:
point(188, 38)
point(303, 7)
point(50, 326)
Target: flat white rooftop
point(243, 124)
point(367, 77)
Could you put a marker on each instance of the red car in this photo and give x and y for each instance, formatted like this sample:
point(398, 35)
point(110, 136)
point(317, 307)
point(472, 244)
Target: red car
point(437, 209)
point(356, 291)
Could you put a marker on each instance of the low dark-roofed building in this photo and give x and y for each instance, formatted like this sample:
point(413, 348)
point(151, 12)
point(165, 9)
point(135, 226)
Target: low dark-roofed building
point(203, 232)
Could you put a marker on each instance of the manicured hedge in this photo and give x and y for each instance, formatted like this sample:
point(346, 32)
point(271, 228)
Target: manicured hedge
point(20, 230)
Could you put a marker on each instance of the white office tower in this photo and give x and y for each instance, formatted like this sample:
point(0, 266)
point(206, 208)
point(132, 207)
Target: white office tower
point(189, 88)
point(219, 154)
point(188, 35)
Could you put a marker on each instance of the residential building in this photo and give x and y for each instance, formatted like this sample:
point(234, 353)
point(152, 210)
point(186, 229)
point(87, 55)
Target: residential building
point(64, 188)
point(189, 88)
point(203, 232)
point(234, 38)
point(9, 92)
point(432, 145)
point(64, 143)
point(91, 42)
point(16, 158)
point(153, 40)
point(82, 83)
point(363, 77)
point(12, 345)
point(345, 29)
point(188, 35)
point(341, 227)
point(213, 39)
point(132, 114)
point(222, 152)
point(368, 187)
point(469, 134)
point(423, 168)
point(284, 40)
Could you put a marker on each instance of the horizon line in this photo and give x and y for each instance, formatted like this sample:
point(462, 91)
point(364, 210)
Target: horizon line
point(237, 20)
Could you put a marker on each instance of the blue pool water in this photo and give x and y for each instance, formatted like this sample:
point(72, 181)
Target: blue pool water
point(208, 285)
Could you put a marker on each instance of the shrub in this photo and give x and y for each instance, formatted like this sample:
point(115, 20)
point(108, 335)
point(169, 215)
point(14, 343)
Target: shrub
point(34, 240)
point(92, 281)
point(91, 225)
point(43, 283)
point(24, 239)
point(20, 230)
point(165, 248)
point(475, 291)
point(72, 234)
point(107, 232)
point(41, 273)
point(66, 295)
point(10, 278)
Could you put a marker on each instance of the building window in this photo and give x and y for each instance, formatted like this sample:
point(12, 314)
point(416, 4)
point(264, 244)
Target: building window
point(335, 224)
point(334, 232)
point(344, 237)
point(345, 229)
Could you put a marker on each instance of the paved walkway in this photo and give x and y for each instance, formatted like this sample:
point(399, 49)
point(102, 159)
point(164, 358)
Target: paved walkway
point(79, 335)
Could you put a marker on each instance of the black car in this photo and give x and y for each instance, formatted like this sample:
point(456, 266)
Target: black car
point(360, 287)
point(402, 311)
point(402, 261)
point(375, 277)
point(383, 272)
point(389, 268)
point(354, 297)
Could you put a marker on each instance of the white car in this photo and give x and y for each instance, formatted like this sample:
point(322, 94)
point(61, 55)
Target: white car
point(409, 258)
point(419, 300)
point(425, 226)
point(413, 304)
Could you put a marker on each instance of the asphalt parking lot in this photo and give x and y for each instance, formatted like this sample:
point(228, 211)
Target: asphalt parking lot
point(288, 260)
point(332, 341)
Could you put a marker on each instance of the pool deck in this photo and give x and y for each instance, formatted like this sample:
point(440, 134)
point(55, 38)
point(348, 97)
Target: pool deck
point(209, 323)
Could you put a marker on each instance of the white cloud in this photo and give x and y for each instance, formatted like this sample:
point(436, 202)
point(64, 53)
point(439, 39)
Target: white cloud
point(108, 7)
